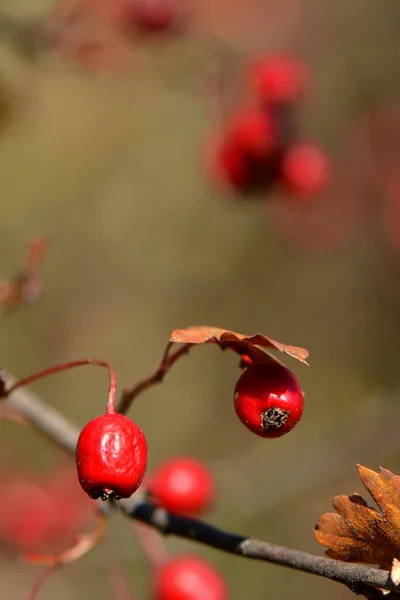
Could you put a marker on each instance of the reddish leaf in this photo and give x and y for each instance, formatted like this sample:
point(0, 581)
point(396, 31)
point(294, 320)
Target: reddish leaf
point(25, 286)
point(360, 533)
point(252, 346)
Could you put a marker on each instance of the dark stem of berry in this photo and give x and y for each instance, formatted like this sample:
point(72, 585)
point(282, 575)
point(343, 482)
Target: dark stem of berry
point(70, 365)
point(274, 417)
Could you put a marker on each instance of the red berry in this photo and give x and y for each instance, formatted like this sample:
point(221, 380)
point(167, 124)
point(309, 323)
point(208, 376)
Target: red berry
point(268, 400)
point(42, 515)
point(183, 485)
point(189, 578)
point(245, 156)
point(154, 16)
point(279, 79)
point(306, 170)
point(252, 130)
point(231, 165)
point(111, 457)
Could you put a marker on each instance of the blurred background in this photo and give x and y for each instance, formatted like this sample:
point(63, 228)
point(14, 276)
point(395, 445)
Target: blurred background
point(105, 155)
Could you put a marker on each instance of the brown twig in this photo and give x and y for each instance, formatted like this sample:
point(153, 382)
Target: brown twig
point(358, 578)
point(168, 360)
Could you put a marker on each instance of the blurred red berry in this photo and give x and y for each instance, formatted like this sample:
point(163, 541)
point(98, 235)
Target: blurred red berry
point(154, 16)
point(268, 400)
point(183, 485)
point(40, 516)
point(391, 213)
point(189, 578)
point(245, 156)
point(306, 170)
point(229, 165)
point(253, 130)
point(279, 79)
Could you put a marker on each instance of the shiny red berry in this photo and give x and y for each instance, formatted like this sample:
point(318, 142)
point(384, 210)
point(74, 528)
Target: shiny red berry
point(183, 486)
point(268, 400)
point(306, 170)
point(279, 79)
point(111, 457)
point(189, 578)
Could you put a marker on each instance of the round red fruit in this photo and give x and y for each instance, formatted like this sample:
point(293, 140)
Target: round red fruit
point(253, 130)
point(306, 170)
point(279, 79)
point(268, 400)
point(111, 457)
point(183, 485)
point(154, 16)
point(189, 578)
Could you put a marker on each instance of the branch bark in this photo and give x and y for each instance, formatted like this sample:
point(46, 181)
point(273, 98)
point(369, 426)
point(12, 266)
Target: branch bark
point(56, 427)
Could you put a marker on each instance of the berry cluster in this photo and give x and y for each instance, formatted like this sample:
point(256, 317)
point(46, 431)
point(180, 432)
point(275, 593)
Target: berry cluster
point(259, 148)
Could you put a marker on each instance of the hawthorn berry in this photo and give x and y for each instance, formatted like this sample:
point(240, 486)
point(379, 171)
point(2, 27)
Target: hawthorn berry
point(279, 79)
point(111, 457)
point(306, 170)
point(253, 130)
point(183, 485)
point(154, 16)
point(245, 155)
point(42, 515)
point(189, 577)
point(268, 400)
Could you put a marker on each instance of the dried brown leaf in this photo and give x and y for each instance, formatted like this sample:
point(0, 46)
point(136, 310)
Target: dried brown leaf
point(360, 533)
point(253, 345)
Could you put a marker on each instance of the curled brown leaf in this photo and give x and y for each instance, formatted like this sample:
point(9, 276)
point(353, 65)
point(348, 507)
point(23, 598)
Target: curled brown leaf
point(254, 346)
point(358, 532)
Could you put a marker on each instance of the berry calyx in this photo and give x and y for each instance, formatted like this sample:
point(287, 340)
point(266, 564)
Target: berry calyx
point(306, 170)
point(189, 578)
point(111, 457)
point(268, 400)
point(183, 485)
point(279, 79)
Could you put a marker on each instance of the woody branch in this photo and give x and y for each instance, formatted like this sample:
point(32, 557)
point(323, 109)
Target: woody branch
point(359, 578)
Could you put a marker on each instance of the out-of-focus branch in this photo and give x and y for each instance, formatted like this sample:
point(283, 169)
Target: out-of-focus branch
point(168, 360)
point(358, 578)
point(45, 419)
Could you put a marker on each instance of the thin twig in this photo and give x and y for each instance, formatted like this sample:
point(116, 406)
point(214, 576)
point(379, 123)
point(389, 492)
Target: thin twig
point(352, 575)
point(51, 423)
point(168, 360)
point(40, 582)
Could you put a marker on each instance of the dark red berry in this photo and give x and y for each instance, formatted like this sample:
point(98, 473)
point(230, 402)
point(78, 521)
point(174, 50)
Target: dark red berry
point(279, 79)
point(154, 16)
point(268, 400)
point(253, 130)
point(189, 578)
point(244, 157)
point(183, 486)
point(111, 457)
point(306, 170)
